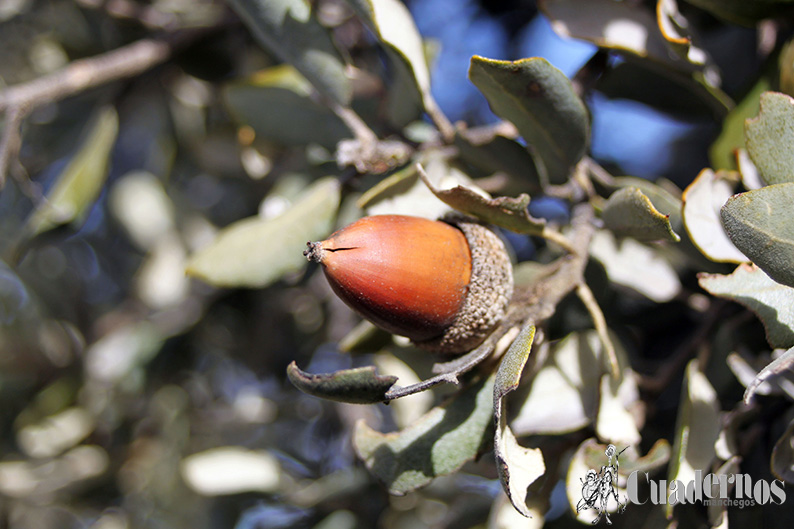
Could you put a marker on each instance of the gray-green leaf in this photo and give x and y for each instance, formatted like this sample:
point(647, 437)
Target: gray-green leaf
point(289, 29)
point(439, 443)
point(761, 225)
point(518, 467)
point(770, 138)
point(772, 302)
point(254, 252)
point(393, 24)
point(361, 385)
point(540, 101)
point(277, 104)
point(630, 213)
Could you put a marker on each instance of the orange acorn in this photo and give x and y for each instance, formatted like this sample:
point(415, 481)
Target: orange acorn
point(443, 285)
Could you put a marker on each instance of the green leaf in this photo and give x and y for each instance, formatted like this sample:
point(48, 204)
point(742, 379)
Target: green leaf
point(439, 443)
point(541, 102)
point(277, 104)
point(255, 252)
point(770, 138)
point(394, 26)
point(772, 302)
point(697, 429)
point(507, 212)
point(358, 386)
point(760, 224)
point(518, 467)
point(721, 152)
point(701, 213)
point(628, 212)
point(79, 184)
point(495, 153)
point(782, 366)
point(289, 29)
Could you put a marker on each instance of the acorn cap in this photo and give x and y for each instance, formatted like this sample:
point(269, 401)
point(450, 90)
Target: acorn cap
point(489, 292)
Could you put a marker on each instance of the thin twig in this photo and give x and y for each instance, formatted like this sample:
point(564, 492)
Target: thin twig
point(82, 74)
point(600, 323)
point(19, 100)
point(10, 141)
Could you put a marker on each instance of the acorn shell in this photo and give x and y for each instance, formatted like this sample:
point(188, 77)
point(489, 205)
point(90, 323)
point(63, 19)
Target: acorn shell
point(489, 292)
point(444, 285)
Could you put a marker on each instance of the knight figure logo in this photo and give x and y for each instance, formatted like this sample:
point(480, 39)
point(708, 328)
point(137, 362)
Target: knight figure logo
point(599, 487)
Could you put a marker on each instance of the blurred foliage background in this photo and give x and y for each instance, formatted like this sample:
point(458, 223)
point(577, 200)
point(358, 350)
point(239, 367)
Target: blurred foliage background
point(133, 395)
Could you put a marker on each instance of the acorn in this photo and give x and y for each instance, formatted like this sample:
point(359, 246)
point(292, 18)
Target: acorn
point(443, 284)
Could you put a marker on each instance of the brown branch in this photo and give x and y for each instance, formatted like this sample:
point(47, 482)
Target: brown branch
point(19, 100)
point(82, 74)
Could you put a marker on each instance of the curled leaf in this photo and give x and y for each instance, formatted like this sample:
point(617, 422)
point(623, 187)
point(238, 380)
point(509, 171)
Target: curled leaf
point(510, 213)
point(782, 366)
point(518, 467)
point(358, 386)
point(630, 213)
point(701, 210)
